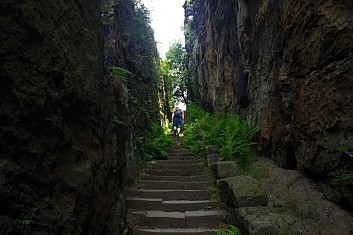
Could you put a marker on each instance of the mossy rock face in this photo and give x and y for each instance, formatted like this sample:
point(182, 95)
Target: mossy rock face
point(242, 191)
point(260, 221)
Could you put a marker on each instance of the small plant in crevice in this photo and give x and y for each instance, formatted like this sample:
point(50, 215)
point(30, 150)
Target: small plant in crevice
point(106, 8)
point(232, 230)
point(157, 143)
point(119, 73)
point(346, 148)
point(343, 177)
point(24, 220)
point(117, 122)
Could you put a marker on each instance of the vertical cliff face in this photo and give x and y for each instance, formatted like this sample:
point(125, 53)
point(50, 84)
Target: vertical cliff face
point(58, 154)
point(65, 128)
point(130, 47)
point(288, 65)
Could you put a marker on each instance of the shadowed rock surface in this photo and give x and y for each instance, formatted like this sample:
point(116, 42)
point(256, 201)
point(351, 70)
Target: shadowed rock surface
point(287, 65)
point(66, 125)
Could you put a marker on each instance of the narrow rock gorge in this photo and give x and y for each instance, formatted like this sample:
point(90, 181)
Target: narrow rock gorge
point(80, 88)
point(287, 66)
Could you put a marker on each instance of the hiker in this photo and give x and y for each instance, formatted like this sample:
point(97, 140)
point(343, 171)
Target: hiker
point(178, 120)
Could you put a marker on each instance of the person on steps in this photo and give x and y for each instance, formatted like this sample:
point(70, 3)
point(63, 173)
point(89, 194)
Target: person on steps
point(178, 120)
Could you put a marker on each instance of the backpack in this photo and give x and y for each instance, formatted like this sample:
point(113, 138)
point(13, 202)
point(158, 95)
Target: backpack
point(178, 113)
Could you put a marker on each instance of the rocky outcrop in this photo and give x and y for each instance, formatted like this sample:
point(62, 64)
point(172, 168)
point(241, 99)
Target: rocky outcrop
point(287, 66)
point(64, 124)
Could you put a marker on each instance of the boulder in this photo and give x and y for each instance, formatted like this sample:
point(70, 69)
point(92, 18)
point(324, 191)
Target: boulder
point(242, 191)
point(260, 221)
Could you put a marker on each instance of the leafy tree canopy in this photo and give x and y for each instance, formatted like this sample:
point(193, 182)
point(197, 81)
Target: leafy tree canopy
point(176, 68)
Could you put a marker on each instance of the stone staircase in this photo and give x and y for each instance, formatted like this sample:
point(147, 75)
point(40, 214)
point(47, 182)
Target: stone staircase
point(173, 196)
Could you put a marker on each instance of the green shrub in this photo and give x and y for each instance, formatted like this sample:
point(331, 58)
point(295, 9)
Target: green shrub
point(231, 231)
point(157, 143)
point(233, 135)
point(191, 139)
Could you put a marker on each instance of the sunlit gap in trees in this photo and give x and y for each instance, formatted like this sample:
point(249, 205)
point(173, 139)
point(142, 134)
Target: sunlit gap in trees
point(167, 21)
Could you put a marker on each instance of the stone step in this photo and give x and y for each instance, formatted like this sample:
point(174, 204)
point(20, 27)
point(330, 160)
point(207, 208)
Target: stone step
point(172, 185)
point(189, 219)
point(193, 166)
point(194, 231)
point(179, 151)
point(177, 157)
point(185, 205)
point(157, 204)
point(166, 195)
point(192, 178)
point(199, 219)
point(171, 172)
point(175, 162)
point(144, 204)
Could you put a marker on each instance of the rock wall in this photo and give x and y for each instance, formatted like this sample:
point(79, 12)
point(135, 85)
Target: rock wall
point(287, 65)
point(130, 47)
point(65, 129)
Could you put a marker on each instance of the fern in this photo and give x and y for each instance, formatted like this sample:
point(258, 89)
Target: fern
point(232, 134)
point(157, 143)
point(119, 73)
point(231, 231)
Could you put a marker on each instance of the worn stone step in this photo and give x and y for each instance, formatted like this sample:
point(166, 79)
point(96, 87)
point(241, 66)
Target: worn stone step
point(179, 151)
point(192, 178)
point(175, 162)
point(144, 204)
point(171, 172)
point(162, 219)
point(170, 194)
point(193, 166)
point(157, 204)
point(186, 205)
point(189, 219)
point(198, 219)
point(172, 185)
point(178, 157)
point(194, 231)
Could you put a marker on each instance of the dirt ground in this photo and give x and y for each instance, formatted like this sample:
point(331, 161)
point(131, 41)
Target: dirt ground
point(300, 201)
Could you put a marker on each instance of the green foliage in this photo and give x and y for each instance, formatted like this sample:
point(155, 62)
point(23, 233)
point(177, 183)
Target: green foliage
point(347, 149)
point(142, 12)
point(231, 231)
point(192, 140)
point(232, 134)
point(117, 122)
point(157, 143)
point(106, 8)
point(176, 69)
point(23, 221)
point(192, 137)
point(119, 73)
point(346, 176)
